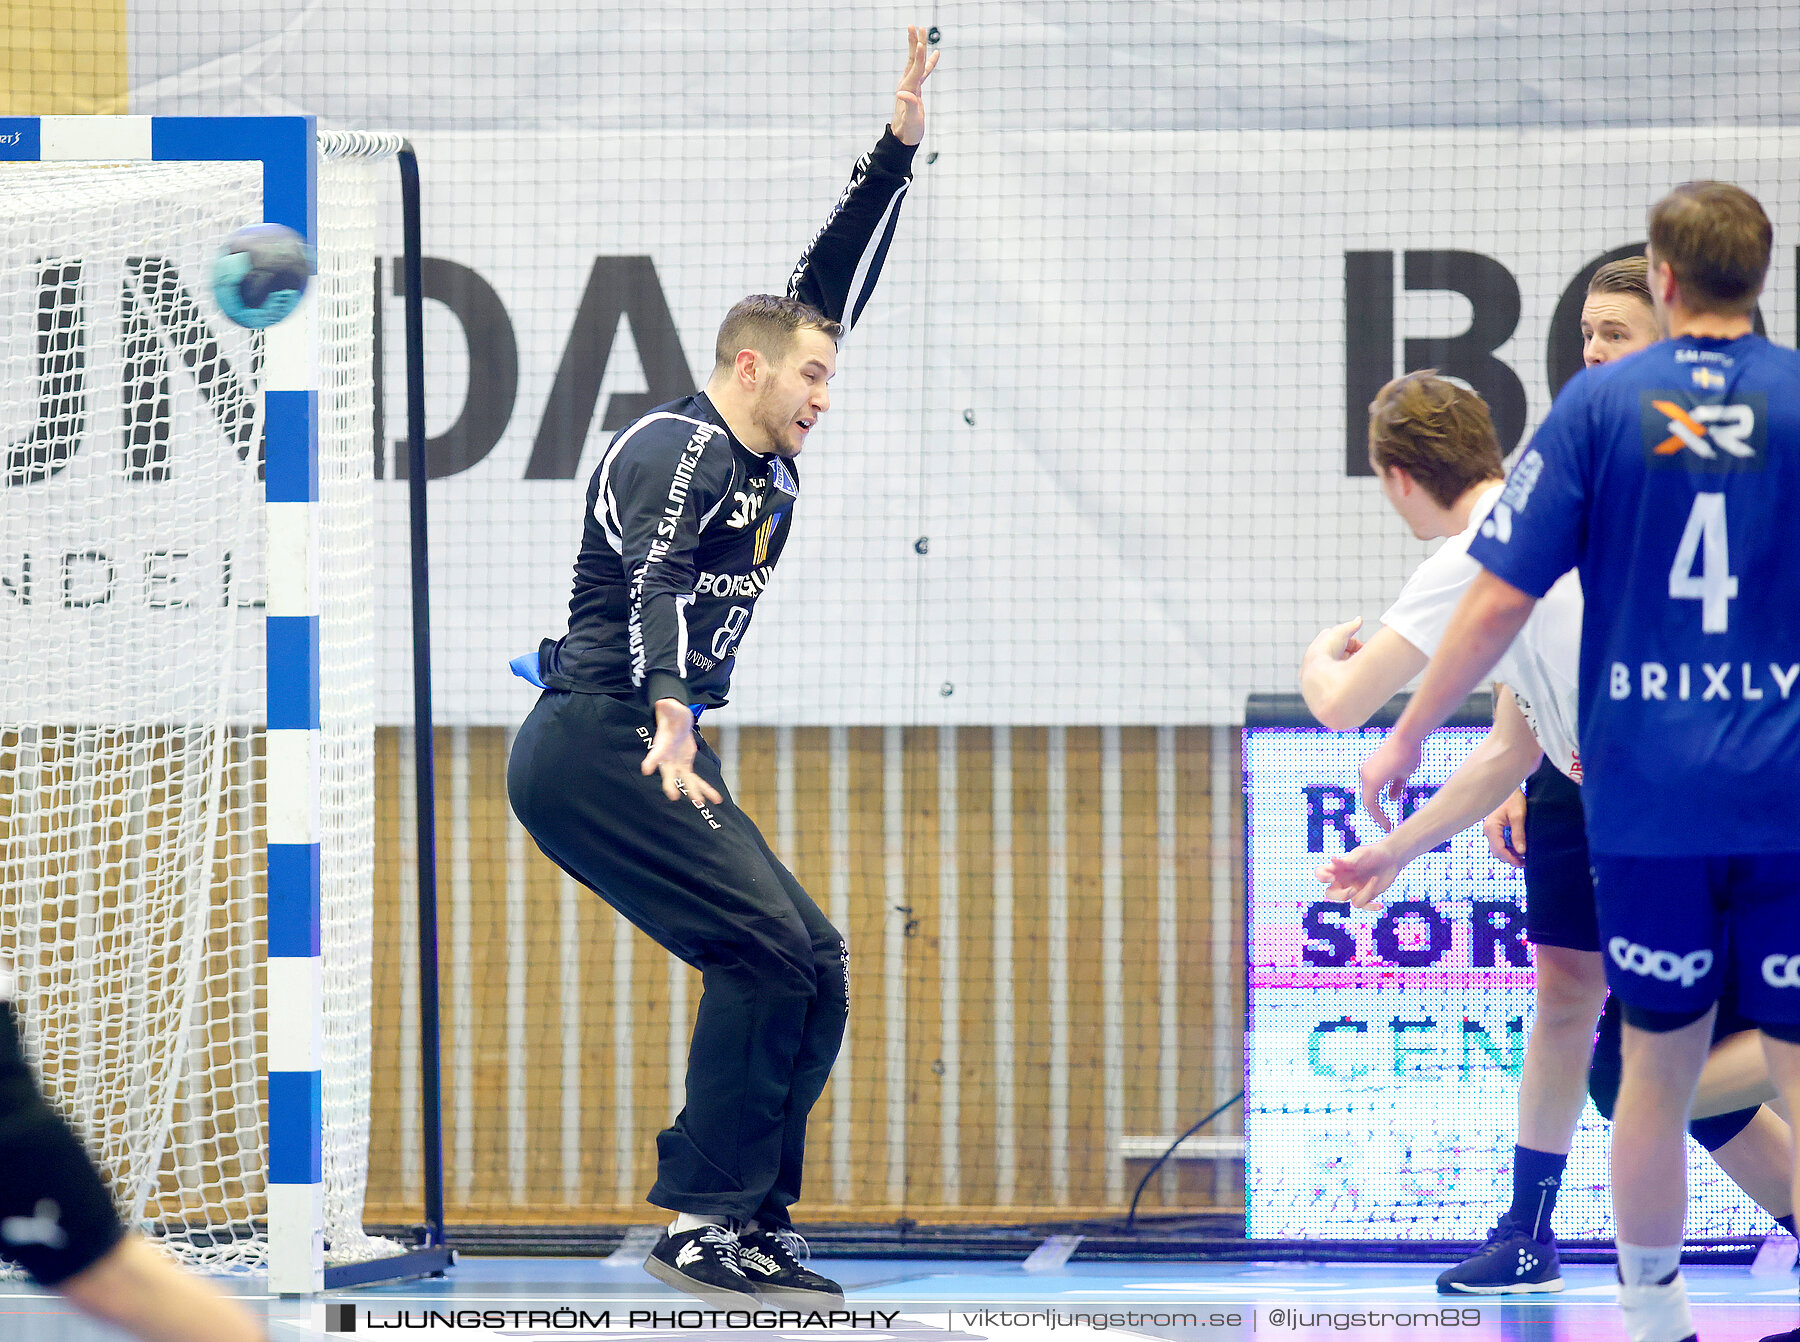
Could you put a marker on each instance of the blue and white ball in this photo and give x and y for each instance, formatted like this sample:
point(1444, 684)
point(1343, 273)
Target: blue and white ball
point(260, 274)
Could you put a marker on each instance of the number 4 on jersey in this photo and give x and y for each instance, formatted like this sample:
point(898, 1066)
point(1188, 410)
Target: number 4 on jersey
point(1713, 586)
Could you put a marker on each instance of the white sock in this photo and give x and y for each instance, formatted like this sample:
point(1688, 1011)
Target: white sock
point(1640, 1266)
point(1655, 1311)
point(688, 1221)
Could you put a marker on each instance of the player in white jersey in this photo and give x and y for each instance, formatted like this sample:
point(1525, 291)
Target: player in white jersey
point(1432, 445)
point(1672, 480)
point(58, 1223)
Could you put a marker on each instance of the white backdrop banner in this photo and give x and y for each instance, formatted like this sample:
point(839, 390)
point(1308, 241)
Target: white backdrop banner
point(1090, 454)
point(1095, 453)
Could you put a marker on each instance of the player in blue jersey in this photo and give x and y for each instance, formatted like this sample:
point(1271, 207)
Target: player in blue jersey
point(1672, 480)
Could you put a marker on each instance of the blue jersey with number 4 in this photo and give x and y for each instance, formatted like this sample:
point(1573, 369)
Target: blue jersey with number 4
point(1672, 478)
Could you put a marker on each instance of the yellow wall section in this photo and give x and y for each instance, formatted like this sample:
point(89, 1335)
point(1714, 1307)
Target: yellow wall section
point(63, 58)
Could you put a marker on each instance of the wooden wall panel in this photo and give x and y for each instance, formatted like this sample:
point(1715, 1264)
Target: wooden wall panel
point(575, 1066)
point(1085, 971)
point(1031, 954)
point(977, 1123)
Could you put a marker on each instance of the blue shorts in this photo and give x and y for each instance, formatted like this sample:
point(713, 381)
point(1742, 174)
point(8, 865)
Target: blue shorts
point(1676, 927)
point(1559, 885)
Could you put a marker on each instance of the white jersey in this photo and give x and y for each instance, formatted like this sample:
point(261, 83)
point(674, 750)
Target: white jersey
point(1543, 665)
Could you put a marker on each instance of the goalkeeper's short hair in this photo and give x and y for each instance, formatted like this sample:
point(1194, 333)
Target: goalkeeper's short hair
point(767, 323)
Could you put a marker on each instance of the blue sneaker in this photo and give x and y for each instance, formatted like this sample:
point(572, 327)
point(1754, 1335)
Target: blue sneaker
point(1512, 1262)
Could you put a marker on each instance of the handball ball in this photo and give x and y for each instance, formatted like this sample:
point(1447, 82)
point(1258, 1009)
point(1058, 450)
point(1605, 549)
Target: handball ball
point(260, 273)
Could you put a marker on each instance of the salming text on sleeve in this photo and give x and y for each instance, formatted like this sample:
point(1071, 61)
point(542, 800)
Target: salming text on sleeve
point(660, 493)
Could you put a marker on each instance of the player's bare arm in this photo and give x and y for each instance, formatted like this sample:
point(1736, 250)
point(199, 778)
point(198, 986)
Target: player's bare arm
point(1344, 680)
point(1486, 621)
point(1504, 828)
point(1495, 767)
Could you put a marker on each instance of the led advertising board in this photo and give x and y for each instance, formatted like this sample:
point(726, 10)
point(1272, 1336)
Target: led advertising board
point(1382, 1051)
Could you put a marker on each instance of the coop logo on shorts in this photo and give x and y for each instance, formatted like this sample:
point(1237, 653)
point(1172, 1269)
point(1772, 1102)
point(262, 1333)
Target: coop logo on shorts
point(1664, 965)
point(1781, 971)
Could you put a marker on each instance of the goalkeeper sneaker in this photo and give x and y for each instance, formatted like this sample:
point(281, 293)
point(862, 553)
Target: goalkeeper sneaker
point(771, 1258)
point(1512, 1262)
point(704, 1263)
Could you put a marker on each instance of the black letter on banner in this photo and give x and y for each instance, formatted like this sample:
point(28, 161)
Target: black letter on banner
point(493, 367)
point(62, 379)
point(1327, 804)
point(1494, 297)
point(20, 590)
point(1387, 935)
point(179, 323)
point(1368, 347)
point(146, 410)
point(1324, 923)
point(82, 580)
point(618, 286)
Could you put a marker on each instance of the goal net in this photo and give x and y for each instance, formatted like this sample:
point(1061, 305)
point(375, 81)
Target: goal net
point(132, 704)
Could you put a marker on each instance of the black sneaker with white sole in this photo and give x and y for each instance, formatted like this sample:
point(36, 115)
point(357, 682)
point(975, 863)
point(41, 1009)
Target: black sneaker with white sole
point(771, 1260)
point(1512, 1262)
point(702, 1262)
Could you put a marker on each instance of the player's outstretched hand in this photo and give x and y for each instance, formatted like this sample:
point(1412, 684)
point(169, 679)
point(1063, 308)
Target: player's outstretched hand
point(1505, 830)
point(672, 752)
point(1384, 777)
point(909, 102)
point(1359, 876)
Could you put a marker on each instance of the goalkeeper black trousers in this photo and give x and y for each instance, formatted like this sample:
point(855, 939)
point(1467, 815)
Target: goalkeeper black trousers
point(701, 882)
point(56, 1217)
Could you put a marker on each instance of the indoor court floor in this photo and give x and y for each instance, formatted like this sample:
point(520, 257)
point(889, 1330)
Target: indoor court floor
point(939, 1301)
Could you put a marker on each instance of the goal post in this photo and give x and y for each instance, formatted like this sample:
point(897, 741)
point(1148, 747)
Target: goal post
point(194, 965)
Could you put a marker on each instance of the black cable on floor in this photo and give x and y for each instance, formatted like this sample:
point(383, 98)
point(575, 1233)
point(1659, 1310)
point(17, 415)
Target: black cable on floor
point(1131, 1216)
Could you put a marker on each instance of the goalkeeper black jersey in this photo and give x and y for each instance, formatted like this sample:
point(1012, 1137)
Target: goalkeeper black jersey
point(684, 524)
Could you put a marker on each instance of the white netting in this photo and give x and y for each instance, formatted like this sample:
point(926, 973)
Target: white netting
point(347, 676)
point(132, 869)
